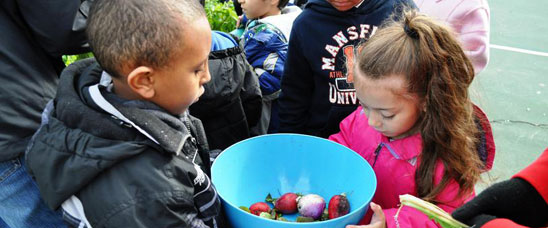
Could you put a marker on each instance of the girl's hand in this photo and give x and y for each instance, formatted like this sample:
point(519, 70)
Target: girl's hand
point(377, 221)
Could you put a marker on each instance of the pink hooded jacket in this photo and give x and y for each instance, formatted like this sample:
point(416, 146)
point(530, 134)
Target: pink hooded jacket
point(395, 163)
point(469, 19)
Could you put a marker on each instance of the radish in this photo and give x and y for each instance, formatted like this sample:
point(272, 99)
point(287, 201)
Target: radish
point(258, 208)
point(311, 205)
point(287, 203)
point(338, 206)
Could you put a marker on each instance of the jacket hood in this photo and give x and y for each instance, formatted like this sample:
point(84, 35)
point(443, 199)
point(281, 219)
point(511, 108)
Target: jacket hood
point(284, 21)
point(366, 7)
point(79, 140)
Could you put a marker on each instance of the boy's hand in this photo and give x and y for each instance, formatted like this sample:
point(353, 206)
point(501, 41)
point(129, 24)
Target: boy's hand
point(377, 221)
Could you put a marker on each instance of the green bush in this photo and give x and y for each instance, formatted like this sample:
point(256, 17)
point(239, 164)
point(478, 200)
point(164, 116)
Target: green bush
point(221, 16)
point(68, 59)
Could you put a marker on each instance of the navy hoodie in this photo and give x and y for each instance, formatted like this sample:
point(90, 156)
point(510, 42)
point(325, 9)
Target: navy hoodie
point(317, 90)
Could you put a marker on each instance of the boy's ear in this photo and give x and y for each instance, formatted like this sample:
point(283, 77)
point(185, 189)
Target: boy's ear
point(141, 81)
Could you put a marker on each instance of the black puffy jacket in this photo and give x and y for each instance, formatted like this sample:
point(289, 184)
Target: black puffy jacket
point(231, 104)
point(122, 176)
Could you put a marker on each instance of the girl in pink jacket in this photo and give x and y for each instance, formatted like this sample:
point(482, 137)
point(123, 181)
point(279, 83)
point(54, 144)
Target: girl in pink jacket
point(416, 125)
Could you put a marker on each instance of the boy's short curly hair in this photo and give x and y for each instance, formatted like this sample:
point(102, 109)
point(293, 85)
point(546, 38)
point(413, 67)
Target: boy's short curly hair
point(131, 33)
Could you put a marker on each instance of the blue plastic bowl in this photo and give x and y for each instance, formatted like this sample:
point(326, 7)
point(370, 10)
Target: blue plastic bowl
point(247, 171)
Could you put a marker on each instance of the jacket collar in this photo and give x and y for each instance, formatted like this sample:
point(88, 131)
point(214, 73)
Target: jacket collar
point(404, 149)
point(168, 131)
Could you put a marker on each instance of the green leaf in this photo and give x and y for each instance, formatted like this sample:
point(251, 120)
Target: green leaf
point(434, 212)
point(325, 215)
point(265, 215)
point(270, 199)
point(280, 218)
point(304, 219)
point(274, 214)
point(245, 209)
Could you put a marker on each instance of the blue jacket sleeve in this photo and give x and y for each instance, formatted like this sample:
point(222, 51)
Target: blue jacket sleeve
point(266, 52)
point(297, 87)
point(50, 22)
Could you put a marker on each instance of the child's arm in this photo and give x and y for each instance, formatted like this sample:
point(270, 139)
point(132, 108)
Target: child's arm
point(523, 199)
point(264, 53)
point(514, 199)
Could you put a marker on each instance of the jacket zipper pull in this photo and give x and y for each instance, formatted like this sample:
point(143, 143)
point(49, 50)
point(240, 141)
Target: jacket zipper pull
point(377, 151)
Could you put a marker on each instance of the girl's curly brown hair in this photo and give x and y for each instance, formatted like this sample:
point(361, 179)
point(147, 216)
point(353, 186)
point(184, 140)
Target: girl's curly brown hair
point(436, 69)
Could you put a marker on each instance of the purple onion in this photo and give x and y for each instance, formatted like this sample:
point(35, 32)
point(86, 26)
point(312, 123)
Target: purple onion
point(311, 205)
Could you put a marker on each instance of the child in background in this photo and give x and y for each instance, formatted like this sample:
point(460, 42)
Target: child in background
point(317, 90)
point(416, 125)
point(117, 147)
point(265, 44)
point(231, 103)
point(469, 19)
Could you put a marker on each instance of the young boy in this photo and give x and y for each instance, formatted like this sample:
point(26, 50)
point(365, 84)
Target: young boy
point(116, 147)
point(265, 44)
point(317, 90)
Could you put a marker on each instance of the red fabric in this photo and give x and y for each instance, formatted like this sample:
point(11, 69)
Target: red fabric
point(488, 134)
point(537, 174)
point(502, 223)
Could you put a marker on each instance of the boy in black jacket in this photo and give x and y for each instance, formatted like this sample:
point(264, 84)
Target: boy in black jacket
point(117, 147)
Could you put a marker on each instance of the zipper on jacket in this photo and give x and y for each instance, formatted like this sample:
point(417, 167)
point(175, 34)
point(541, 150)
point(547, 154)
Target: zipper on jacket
point(377, 151)
point(121, 122)
point(192, 140)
